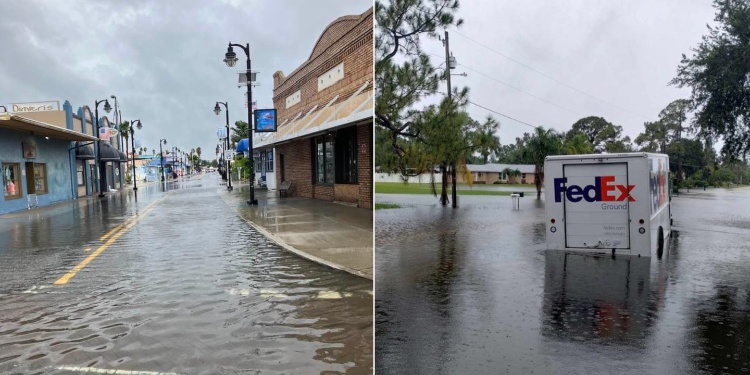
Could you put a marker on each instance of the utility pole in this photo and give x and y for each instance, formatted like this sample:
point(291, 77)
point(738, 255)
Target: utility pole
point(453, 165)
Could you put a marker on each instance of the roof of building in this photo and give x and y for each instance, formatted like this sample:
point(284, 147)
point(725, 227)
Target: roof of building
point(19, 123)
point(497, 168)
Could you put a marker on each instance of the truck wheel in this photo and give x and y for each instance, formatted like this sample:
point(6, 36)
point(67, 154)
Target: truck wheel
point(660, 242)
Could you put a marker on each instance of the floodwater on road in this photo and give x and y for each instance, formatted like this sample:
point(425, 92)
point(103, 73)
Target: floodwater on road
point(186, 288)
point(474, 291)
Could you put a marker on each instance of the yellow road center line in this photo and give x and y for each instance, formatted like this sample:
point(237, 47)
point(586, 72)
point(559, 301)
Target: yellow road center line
point(64, 280)
point(104, 237)
point(115, 229)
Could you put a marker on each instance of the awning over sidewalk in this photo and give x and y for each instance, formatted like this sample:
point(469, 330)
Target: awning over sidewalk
point(23, 124)
point(242, 145)
point(336, 114)
point(107, 152)
point(84, 151)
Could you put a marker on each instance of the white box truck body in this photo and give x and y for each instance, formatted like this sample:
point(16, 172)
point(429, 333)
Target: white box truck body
point(615, 203)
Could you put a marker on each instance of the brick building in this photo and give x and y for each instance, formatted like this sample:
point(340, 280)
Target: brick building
point(324, 114)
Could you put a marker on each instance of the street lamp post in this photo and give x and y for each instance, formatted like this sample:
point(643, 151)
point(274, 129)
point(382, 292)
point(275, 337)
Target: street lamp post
point(174, 160)
point(217, 110)
point(102, 167)
point(161, 155)
point(132, 148)
point(230, 58)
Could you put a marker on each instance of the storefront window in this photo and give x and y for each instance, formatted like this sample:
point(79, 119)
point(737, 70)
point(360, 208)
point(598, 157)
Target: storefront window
point(11, 180)
point(324, 160)
point(40, 178)
point(79, 172)
point(269, 161)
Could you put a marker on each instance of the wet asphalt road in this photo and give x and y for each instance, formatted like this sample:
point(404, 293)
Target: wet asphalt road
point(188, 288)
point(473, 291)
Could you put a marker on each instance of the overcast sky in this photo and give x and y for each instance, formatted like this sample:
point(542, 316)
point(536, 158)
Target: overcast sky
point(162, 59)
point(620, 52)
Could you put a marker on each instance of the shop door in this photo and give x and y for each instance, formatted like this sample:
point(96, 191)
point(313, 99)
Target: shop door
point(281, 166)
point(94, 188)
point(31, 186)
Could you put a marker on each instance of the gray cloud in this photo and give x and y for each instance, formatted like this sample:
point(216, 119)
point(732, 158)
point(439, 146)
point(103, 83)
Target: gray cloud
point(162, 59)
point(622, 52)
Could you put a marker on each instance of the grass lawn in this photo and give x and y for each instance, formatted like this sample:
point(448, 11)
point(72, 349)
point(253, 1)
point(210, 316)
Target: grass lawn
point(400, 188)
point(385, 206)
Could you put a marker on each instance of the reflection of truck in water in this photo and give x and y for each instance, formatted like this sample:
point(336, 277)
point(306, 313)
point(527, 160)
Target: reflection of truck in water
point(611, 300)
point(608, 202)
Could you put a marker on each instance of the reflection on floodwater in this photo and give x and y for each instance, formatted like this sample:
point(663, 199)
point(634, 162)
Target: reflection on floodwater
point(599, 298)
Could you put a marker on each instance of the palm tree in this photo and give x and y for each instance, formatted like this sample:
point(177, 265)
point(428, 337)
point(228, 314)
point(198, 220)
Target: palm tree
point(542, 144)
point(485, 139)
point(511, 174)
point(124, 129)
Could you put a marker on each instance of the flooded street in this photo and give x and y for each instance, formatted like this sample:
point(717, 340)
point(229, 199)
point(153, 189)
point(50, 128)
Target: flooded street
point(473, 291)
point(185, 287)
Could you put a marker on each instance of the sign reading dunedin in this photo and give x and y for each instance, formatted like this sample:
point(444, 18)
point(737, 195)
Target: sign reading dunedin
point(265, 120)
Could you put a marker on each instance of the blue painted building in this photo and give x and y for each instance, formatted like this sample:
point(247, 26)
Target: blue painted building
point(46, 156)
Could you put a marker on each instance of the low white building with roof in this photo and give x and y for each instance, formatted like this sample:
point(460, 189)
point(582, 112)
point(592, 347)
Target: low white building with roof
point(492, 172)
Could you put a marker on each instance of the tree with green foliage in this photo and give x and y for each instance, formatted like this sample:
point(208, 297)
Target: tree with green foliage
point(653, 138)
point(239, 131)
point(578, 144)
point(124, 129)
point(484, 136)
point(717, 73)
point(543, 143)
point(399, 86)
point(722, 176)
point(597, 130)
point(511, 174)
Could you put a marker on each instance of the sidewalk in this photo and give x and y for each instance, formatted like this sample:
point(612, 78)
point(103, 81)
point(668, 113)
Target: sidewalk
point(333, 234)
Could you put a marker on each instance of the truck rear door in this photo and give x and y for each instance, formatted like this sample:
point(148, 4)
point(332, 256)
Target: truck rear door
point(597, 206)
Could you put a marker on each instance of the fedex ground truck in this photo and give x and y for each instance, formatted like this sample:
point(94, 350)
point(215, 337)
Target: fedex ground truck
point(616, 203)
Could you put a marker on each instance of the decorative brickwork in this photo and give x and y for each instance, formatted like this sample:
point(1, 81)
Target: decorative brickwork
point(364, 142)
point(346, 40)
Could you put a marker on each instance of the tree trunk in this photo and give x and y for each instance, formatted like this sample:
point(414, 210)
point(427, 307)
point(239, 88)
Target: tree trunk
point(444, 187)
point(538, 181)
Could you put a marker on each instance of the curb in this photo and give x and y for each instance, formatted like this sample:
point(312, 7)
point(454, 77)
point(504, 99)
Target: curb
point(298, 252)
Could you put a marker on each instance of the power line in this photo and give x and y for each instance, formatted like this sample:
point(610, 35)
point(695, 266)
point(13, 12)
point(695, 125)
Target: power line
point(514, 88)
point(550, 77)
point(497, 113)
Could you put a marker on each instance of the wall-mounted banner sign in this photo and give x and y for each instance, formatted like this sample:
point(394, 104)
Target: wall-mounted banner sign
point(34, 107)
point(265, 120)
point(104, 133)
point(221, 132)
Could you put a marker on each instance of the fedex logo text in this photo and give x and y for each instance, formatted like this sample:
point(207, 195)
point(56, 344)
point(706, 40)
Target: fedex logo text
point(603, 190)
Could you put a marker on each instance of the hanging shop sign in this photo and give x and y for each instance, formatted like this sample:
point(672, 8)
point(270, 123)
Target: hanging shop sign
point(265, 120)
point(104, 133)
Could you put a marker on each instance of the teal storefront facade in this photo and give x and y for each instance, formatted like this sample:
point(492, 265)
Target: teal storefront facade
point(42, 163)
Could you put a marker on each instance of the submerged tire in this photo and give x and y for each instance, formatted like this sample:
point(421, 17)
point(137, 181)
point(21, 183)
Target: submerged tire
point(660, 242)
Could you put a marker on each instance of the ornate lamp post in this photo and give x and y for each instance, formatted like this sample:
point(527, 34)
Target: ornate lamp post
point(230, 58)
point(161, 155)
point(101, 167)
point(132, 147)
point(217, 110)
